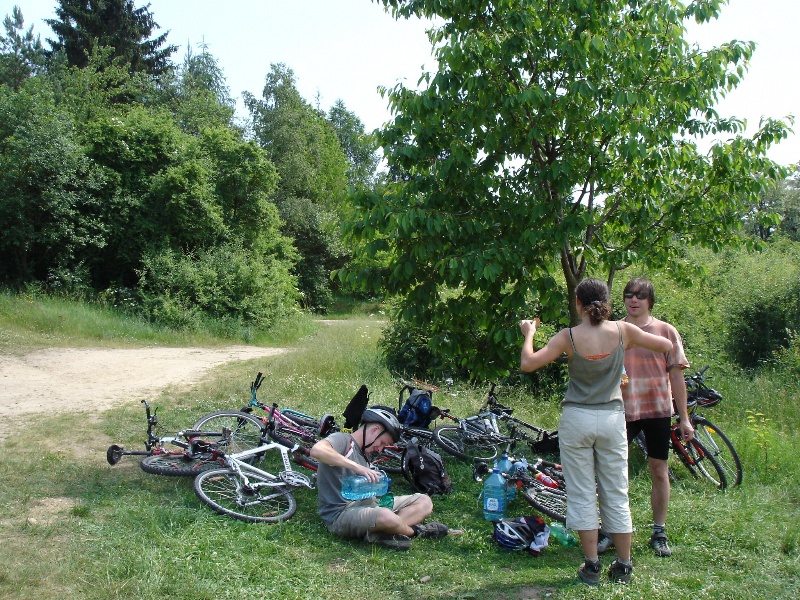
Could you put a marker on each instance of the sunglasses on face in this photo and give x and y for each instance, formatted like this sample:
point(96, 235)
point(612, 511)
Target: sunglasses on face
point(639, 295)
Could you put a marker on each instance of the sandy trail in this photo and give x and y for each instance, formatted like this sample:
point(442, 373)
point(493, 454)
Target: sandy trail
point(63, 379)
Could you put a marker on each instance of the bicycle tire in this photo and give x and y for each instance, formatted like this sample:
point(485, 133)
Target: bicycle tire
point(727, 457)
point(390, 459)
point(548, 501)
point(702, 458)
point(177, 464)
point(246, 430)
point(223, 490)
point(470, 447)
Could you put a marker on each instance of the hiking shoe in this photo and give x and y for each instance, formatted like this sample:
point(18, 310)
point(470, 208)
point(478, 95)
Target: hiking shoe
point(432, 530)
point(604, 542)
point(620, 573)
point(395, 541)
point(589, 572)
point(659, 543)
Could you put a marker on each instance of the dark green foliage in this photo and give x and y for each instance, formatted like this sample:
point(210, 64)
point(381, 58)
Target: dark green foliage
point(359, 147)
point(49, 190)
point(226, 283)
point(762, 304)
point(84, 25)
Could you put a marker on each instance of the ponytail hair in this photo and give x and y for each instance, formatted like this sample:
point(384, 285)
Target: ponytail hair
point(593, 295)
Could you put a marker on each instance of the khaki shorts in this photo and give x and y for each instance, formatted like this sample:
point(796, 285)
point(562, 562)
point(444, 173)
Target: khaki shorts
point(360, 516)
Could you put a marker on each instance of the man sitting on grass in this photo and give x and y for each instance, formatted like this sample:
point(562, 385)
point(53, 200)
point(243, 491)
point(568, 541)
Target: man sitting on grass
point(343, 454)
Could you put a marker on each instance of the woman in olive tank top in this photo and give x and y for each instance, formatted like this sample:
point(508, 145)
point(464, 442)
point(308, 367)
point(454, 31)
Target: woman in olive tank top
point(592, 435)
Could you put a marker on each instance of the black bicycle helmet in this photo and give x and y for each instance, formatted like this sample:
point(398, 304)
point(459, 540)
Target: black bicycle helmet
point(379, 414)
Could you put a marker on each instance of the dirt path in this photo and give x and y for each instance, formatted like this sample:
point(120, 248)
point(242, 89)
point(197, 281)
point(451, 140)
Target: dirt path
point(61, 379)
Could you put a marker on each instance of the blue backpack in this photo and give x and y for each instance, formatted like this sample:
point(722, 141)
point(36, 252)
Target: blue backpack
point(418, 409)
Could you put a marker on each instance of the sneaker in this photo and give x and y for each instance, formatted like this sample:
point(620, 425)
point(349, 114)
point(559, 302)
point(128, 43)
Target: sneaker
point(620, 573)
point(395, 541)
point(589, 572)
point(604, 542)
point(659, 543)
point(432, 530)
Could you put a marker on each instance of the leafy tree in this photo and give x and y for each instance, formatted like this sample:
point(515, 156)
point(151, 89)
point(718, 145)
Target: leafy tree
point(21, 53)
point(49, 190)
point(556, 140)
point(202, 96)
point(359, 147)
point(304, 148)
point(84, 25)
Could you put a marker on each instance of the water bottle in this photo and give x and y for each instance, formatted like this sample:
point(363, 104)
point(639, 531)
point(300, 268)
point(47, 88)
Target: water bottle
point(546, 480)
point(505, 465)
point(358, 487)
point(494, 496)
point(562, 535)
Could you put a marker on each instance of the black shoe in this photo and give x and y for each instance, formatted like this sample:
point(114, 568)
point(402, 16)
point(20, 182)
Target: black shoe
point(395, 541)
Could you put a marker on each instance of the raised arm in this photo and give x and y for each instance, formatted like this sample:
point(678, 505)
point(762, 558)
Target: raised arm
point(531, 359)
point(635, 337)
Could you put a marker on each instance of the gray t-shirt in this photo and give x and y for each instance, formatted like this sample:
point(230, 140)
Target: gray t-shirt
point(329, 479)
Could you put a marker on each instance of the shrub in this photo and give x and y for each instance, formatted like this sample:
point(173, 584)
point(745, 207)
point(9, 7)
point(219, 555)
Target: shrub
point(226, 283)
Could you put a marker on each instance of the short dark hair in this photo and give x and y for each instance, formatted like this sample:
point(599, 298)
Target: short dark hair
point(640, 284)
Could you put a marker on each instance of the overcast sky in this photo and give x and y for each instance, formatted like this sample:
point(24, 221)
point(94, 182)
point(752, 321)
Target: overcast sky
point(345, 49)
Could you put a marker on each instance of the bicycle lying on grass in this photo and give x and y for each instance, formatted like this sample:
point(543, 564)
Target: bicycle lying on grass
point(195, 449)
point(249, 493)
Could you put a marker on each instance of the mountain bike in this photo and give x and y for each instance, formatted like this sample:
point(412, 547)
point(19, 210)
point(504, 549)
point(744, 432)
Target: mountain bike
point(249, 493)
point(700, 396)
point(537, 439)
point(194, 451)
point(692, 454)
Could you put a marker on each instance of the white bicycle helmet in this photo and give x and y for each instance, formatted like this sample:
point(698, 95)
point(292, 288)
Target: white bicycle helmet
point(514, 534)
point(385, 417)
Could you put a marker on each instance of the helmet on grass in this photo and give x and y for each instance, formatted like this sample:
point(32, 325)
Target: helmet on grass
point(514, 534)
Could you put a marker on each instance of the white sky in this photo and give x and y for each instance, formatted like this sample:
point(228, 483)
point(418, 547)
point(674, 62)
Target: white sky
point(345, 49)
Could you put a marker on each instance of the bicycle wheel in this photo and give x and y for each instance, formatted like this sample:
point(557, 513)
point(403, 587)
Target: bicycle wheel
point(226, 492)
point(245, 429)
point(390, 459)
point(466, 446)
point(705, 463)
point(291, 435)
point(720, 447)
point(177, 464)
point(548, 501)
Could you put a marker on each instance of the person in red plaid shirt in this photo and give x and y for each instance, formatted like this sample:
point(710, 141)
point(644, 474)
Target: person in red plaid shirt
point(654, 381)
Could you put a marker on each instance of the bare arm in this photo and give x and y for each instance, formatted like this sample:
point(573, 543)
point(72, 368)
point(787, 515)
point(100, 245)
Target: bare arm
point(324, 453)
point(531, 359)
point(636, 337)
point(678, 385)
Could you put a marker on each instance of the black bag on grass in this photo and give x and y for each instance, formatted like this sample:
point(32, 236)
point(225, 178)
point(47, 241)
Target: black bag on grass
point(424, 470)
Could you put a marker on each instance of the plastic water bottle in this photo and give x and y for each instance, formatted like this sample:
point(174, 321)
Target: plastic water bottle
point(505, 465)
point(494, 496)
point(358, 487)
point(562, 535)
point(546, 480)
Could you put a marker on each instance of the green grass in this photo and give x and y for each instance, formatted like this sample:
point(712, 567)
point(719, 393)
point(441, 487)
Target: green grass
point(102, 532)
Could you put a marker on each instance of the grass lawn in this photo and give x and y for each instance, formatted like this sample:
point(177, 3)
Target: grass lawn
point(73, 526)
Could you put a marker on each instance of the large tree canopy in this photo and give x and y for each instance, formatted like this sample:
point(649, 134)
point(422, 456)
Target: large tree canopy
point(84, 25)
point(558, 139)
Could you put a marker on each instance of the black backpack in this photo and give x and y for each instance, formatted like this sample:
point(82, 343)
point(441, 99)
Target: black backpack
point(424, 470)
point(418, 409)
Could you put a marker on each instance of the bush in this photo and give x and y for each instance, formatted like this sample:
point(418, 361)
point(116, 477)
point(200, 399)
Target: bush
point(226, 283)
point(761, 305)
